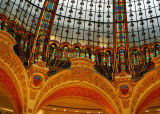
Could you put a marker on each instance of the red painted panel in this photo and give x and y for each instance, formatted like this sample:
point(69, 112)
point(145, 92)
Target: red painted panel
point(152, 96)
point(81, 92)
point(6, 81)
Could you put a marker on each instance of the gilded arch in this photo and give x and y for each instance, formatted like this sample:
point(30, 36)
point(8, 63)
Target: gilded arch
point(12, 66)
point(77, 77)
point(144, 88)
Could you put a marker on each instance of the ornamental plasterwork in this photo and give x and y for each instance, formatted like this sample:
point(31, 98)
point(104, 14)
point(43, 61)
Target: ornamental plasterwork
point(13, 63)
point(7, 38)
point(151, 96)
point(124, 84)
point(39, 67)
point(142, 93)
point(148, 81)
point(13, 78)
point(79, 74)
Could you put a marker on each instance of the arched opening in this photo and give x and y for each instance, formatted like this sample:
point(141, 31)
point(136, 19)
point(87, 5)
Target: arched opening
point(40, 50)
point(108, 58)
point(11, 29)
point(65, 53)
point(20, 39)
point(52, 51)
point(75, 99)
point(72, 105)
point(76, 52)
point(157, 51)
point(1, 23)
point(88, 53)
point(93, 57)
point(6, 106)
point(135, 57)
point(146, 51)
point(98, 56)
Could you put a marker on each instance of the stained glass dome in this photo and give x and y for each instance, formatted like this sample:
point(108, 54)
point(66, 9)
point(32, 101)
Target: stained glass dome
point(24, 12)
point(90, 21)
point(118, 35)
point(86, 22)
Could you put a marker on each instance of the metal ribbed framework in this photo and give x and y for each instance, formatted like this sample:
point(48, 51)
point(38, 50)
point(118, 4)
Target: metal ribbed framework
point(118, 35)
point(84, 21)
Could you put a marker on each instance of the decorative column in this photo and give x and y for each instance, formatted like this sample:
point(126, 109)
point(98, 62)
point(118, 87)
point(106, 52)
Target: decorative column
point(44, 27)
point(120, 32)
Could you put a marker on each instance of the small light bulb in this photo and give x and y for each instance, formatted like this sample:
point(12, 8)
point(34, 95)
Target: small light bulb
point(158, 109)
point(147, 111)
point(54, 108)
